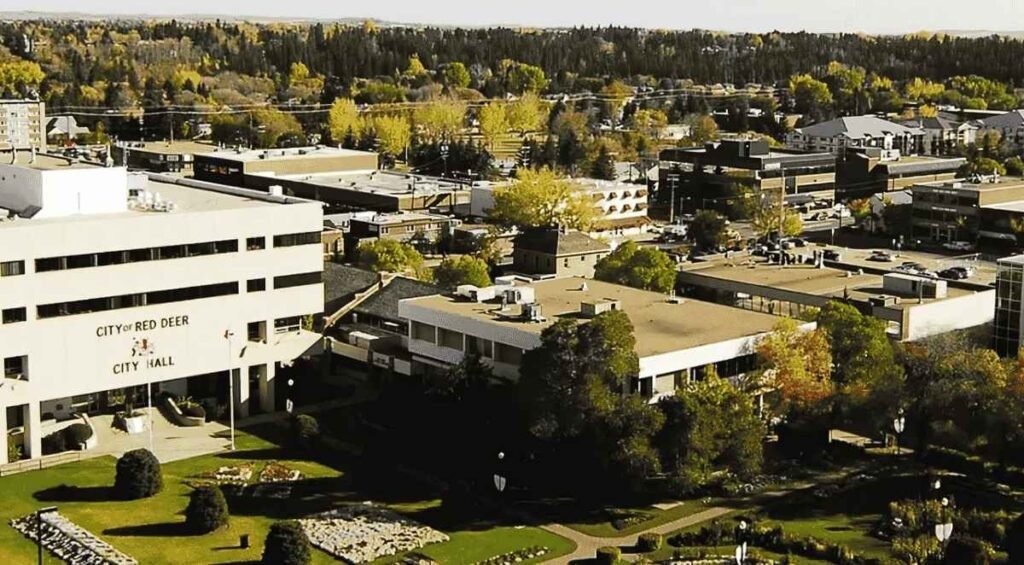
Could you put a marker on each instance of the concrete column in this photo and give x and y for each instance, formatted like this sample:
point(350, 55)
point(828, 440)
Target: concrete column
point(33, 430)
point(241, 376)
point(267, 398)
point(3, 435)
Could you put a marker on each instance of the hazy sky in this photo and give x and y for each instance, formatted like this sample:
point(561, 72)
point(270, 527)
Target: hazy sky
point(873, 16)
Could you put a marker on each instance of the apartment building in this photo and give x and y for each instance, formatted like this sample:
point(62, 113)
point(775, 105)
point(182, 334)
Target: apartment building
point(22, 125)
point(835, 136)
point(111, 281)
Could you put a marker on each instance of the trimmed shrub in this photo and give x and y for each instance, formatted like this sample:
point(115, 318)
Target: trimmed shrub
point(54, 443)
point(207, 510)
point(286, 544)
point(77, 434)
point(305, 431)
point(649, 542)
point(954, 460)
point(608, 555)
point(967, 551)
point(13, 450)
point(138, 475)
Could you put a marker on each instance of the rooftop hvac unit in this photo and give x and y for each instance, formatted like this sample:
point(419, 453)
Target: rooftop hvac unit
point(519, 295)
point(532, 312)
point(591, 309)
point(884, 300)
point(507, 280)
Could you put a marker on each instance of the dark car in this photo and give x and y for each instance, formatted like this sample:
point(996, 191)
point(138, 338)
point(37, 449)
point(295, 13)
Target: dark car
point(953, 273)
point(832, 255)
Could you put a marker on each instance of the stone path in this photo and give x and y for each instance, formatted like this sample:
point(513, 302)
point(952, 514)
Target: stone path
point(586, 546)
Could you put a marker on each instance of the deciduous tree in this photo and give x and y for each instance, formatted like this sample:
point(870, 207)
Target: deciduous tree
point(466, 269)
point(390, 256)
point(540, 198)
point(647, 268)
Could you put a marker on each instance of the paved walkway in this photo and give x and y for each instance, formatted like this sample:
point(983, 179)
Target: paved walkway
point(586, 546)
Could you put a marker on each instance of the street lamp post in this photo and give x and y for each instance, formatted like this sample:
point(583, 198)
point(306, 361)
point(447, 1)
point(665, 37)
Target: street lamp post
point(741, 542)
point(500, 481)
point(898, 424)
point(289, 405)
point(39, 528)
point(231, 389)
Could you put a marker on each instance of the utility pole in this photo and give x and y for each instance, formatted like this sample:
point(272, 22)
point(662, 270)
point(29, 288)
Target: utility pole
point(672, 198)
point(171, 132)
point(782, 202)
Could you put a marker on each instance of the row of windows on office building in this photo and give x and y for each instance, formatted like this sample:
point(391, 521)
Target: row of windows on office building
point(139, 255)
point(451, 339)
point(102, 304)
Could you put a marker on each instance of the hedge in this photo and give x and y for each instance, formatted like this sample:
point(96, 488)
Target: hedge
point(608, 555)
point(649, 542)
point(66, 439)
point(773, 539)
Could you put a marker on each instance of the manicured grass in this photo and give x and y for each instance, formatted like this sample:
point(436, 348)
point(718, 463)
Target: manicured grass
point(152, 530)
point(851, 531)
point(601, 525)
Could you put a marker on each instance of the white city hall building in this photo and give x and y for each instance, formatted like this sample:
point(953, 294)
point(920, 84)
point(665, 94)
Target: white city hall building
point(111, 281)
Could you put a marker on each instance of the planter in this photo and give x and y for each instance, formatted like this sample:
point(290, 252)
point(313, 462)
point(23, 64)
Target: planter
point(135, 424)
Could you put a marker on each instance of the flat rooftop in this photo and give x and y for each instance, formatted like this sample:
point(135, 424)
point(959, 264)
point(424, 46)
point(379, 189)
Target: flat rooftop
point(807, 279)
point(660, 325)
point(317, 152)
point(392, 218)
point(1001, 183)
point(376, 182)
point(43, 161)
point(173, 147)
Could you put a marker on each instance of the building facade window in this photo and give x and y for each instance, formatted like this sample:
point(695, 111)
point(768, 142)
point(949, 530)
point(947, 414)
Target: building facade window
point(300, 279)
point(139, 255)
point(255, 243)
point(450, 339)
point(16, 368)
point(424, 332)
point(13, 315)
point(103, 304)
point(293, 239)
point(255, 285)
point(289, 324)
point(12, 268)
point(507, 354)
point(257, 331)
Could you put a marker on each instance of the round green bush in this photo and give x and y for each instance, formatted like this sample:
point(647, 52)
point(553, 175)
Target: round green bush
point(305, 431)
point(608, 555)
point(54, 443)
point(286, 545)
point(138, 475)
point(77, 434)
point(649, 542)
point(207, 510)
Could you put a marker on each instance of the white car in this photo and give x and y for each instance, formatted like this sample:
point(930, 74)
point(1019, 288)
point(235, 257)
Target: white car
point(958, 246)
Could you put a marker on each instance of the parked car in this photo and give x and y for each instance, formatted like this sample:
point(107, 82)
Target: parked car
point(956, 273)
point(958, 246)
point(881, 256)
point(818, 217)
point(832, 255)
point(911, 268)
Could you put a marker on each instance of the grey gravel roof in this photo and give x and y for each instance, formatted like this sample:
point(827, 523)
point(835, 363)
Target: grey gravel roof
point(1010, 119)
point(558, 243)
point(342, 282)
point(384, 303)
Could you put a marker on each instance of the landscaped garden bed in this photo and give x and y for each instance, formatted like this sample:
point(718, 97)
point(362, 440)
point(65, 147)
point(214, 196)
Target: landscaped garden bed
point(361, 533)
point(69, 542)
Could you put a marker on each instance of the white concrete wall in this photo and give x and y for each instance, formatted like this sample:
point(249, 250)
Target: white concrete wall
point(64, 191)
point(951, 314)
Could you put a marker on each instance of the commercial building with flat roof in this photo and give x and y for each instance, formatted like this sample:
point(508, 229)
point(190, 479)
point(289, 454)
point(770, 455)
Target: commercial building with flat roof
point(111, 281)
point(380, 191)
point(913, 306)
point(861, 172)
point(1009, 325)
point(22, 125)
point(237, 166)
point(159, 156)
point(966, 210)
point(706, 177)
point(675, 338)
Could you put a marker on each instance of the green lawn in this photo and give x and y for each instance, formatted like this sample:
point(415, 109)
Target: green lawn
point(600, 524)
point(151, 530)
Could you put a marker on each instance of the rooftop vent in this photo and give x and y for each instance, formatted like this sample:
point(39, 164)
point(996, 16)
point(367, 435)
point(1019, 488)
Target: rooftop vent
point(532, 312)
